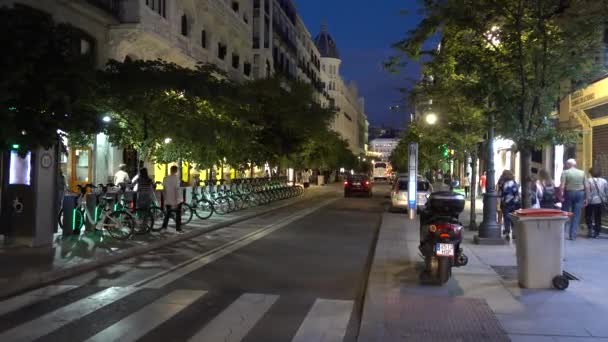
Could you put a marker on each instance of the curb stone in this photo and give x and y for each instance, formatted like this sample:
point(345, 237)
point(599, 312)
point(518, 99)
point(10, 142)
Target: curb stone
point(45, 278)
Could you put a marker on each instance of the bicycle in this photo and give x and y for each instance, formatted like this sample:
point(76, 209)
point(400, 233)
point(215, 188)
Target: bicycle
point(119, 224)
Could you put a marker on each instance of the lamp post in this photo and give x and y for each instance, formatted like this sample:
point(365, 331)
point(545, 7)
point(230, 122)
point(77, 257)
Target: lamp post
point(489, 230)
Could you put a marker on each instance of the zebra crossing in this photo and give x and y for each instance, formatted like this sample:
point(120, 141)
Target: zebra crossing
point(326, 320)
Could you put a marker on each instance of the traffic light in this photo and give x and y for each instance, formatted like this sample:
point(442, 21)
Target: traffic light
point(444, 150)
point(15, 146)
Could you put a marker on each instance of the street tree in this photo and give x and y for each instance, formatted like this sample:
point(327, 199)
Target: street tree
point(47, 82)
point(519, 52)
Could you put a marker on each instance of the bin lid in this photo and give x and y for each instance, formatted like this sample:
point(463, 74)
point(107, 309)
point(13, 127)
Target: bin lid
point(541, 212)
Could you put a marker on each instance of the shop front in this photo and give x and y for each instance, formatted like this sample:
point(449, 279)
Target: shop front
point(586, 110)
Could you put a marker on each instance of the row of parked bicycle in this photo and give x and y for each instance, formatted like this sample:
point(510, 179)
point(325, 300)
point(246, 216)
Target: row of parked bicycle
point(115, 211)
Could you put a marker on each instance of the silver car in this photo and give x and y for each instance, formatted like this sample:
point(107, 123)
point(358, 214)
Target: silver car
point(399, 193)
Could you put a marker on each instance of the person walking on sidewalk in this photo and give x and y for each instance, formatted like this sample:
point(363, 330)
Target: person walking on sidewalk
point(510, 200)
point(598, 195)
point(482, 183)
point(173, 199)
point(121, 176)
point(575, 190)
point(466, 183)
point(145, 189)
point(546, 190)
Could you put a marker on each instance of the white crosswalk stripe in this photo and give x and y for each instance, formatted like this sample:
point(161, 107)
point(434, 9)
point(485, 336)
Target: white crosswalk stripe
point(52, 321)
point(233, 324)
point(326, 321)
point(32, 297)
point(149, 317)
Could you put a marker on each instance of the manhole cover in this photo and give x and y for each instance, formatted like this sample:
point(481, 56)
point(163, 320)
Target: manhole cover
point(426, 318)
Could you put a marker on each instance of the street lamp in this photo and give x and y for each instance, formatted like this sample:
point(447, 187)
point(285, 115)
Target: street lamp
point(431, 118)
point(168, 140)
point(106, 119)
point(490, 230)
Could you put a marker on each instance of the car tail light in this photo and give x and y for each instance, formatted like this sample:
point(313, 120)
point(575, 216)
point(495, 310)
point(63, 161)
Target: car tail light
point(444, 227)
point(345, 183)
point(366, 182)
point(444, 235)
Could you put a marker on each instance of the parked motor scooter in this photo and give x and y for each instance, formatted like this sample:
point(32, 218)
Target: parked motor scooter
point(440, 236)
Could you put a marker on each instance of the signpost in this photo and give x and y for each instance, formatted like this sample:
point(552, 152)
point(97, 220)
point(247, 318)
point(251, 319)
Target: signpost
point(412, 179)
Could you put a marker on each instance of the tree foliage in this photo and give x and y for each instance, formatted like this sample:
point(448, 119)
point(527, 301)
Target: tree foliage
point(47, 83)
point(513, 55)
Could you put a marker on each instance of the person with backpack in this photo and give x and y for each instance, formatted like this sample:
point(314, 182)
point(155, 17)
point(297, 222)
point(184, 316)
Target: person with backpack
point(534, 192)
point(546, 190)
point(510, 200)
point(598, 195)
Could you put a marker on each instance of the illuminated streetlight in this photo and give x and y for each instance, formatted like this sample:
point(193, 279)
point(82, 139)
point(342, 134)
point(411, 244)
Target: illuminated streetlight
point(106, 119)
point(431, 118)
point(168, 140)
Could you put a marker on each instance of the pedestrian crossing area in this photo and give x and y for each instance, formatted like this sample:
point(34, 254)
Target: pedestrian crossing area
point(139, 314)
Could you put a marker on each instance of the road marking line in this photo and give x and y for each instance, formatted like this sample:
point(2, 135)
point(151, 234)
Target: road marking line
point(21, 301)
point(235, 322)
point(163, 278)
point(149, 317)
point(52, 321)
point(326, 321)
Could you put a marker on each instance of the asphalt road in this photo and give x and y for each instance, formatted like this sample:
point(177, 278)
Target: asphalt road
point(296, 274)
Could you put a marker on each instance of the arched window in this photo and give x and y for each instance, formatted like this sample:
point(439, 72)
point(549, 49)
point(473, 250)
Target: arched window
point(184, 25)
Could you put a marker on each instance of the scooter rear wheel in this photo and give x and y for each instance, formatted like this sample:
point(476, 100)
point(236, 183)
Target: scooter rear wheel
point(444, 270)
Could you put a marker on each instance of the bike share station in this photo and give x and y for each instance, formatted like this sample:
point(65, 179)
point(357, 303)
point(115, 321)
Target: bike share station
point(28, 203)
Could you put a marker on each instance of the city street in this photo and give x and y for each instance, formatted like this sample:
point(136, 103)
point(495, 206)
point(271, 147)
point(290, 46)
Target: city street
point(295, 274)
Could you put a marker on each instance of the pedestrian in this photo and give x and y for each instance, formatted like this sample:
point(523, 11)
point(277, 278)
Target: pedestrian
point(61, 187)
point(145, 189)
point(498, 200)
point(598, 196)
point(306, 178)
point(121, 176)
point(574, 187)
point(173, 199)
point(510, 200)
point(482, 183)
point(466, 182)
point(546, 190)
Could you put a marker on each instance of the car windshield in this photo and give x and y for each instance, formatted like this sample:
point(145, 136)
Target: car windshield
point(382, 165)
point(422, 185)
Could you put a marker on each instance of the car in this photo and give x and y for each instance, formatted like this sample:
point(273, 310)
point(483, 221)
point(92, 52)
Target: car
point(360, 184)
point(399, 193)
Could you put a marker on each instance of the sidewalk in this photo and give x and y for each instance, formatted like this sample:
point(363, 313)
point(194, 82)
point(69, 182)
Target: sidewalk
point(482, 301)
point(24, 268)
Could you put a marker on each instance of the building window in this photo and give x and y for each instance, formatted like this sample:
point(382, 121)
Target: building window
point(235, 6)
point(204, 39)
point(159, 6)
point(256, 4)
point(247, 68)
point(236, 61)
point(184, 26)
point(221, 51)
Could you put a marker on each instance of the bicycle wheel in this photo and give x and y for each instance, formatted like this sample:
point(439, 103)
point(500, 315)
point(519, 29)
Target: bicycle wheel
point(221, 206)
point(120, 225)
point(204, 209)
point(77, 220)
point(159, 216)
point(186, 213)
point(144, 221)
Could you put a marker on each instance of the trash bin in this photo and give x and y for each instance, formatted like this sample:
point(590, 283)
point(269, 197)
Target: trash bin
point(321, 180)
point(540, 247)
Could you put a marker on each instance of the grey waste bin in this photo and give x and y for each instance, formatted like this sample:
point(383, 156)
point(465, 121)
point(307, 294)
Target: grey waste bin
point(540, 247)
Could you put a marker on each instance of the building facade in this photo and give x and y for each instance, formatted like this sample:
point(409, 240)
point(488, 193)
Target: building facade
point(382, 148)
point(350, 121)
point(247, 39)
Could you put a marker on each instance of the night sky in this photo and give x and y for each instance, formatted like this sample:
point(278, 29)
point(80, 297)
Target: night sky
point(364, 31)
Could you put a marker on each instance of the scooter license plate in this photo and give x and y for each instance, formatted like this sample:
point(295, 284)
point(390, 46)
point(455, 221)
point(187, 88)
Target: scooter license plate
point(445, 249)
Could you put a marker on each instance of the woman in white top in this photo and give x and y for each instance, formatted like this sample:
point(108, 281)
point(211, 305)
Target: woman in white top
point(598, 194)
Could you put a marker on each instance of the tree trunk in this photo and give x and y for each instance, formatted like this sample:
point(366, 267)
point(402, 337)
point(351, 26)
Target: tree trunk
point(474, 183)
point(525, 172)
